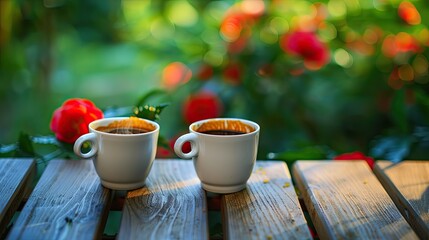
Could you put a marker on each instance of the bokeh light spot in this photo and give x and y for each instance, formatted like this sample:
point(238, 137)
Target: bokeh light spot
point(337, 8)
point(162, 29)
point(253, 7)
point(281, 25)
point(327, 31)
point(231, 28)
point(406, 72)
point(268, 35)
point(408, 12)
point(182, 13)
point(175, 74)
point(343, 58)
point(421, 65)
point(214, 58)
point(370, 36)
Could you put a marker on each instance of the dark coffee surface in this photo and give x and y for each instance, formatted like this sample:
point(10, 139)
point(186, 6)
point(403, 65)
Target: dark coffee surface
point(122, 130)
point(222, 132)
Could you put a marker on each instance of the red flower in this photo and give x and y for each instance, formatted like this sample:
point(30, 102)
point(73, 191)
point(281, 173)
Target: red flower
point(408, 13)
point(201, 106)
point(163, 152)
point(205, 72)
point(71, 120)
point(308, 46)
point(356, 156)
point(186, 148)
point(232, 73)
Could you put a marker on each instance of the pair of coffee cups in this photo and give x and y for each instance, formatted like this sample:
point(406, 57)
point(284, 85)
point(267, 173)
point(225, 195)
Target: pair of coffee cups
point(223, 150)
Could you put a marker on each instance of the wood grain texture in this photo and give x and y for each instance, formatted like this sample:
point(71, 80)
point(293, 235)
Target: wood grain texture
point(16, 176)
point(267, 209)
point(407, 183)
point(346, 201)
point(68, 202)
point(172, 205)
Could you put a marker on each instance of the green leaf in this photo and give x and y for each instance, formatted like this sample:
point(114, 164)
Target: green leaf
point(155, 92)
point(163, 142)
point(149, 112)
point(25, 145)
point(422, 99)
point(399, 114)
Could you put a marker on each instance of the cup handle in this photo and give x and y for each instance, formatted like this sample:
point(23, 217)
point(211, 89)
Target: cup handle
point(77, 148)
point(189, 137)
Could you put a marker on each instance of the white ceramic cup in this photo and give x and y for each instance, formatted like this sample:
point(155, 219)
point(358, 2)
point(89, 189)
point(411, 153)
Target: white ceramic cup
point(223, 163)
point(122, 161)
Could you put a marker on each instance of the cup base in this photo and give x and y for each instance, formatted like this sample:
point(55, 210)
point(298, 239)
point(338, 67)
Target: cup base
point(223, 189)
point(122, 186)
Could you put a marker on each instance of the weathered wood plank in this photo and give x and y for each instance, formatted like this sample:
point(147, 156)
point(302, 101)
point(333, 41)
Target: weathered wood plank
point(346, 201)
point(16, 176)
point(267, 209)
point(407, 183)
point(172, 205)
point(67, 203)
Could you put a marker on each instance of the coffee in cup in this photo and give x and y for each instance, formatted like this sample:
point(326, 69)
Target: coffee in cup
point(122, 150)
point(224, 152)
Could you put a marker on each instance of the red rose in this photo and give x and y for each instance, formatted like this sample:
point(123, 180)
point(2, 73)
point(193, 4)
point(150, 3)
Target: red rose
point(201, 106)
point(71, 120)
point(308, 46)
point(356, 156)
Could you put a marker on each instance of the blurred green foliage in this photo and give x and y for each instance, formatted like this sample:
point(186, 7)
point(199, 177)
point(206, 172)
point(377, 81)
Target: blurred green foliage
point(115, 52)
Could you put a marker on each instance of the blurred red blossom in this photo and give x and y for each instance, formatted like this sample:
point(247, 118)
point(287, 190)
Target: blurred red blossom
point(408, 13)
point(232, 73)
point(266, 70)
point(71, 120)
point(306, 45)
point(356, 156)
point(394, 81)
point(175, 74)
point(362, 47)
point(202, 105)
point(232, 26)
point(205, 72)
point(236, 26)
point(240, 44)
point(400, 43)
point(163, 152)
point(185, 148)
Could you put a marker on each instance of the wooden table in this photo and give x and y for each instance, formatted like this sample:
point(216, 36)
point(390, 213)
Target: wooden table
point(342, 199)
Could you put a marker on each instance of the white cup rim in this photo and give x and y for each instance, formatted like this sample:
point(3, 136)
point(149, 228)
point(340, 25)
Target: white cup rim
point(245, 121)
point(94, 124)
